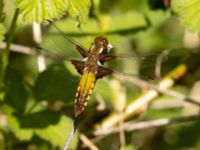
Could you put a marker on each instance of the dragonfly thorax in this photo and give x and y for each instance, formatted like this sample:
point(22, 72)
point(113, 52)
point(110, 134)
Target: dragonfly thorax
point(100, 46)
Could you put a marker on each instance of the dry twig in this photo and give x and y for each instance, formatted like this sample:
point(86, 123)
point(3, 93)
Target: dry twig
point(132, 125)
point(88, 142)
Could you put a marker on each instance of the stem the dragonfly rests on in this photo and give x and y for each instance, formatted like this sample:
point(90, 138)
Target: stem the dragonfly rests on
point(71, 134)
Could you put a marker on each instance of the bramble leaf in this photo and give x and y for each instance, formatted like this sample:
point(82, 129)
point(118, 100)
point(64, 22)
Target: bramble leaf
point(20, 133)
point(58, 79)
point(48, 125)
point(188, 11)
point(32, 10)
point(56, 134)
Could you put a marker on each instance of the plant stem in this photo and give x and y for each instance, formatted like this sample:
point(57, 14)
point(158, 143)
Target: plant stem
point(6, 52)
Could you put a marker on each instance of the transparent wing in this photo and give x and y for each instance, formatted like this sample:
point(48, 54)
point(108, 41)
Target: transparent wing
point(124, 64)
point(54, 44)
point(133, 65)
point(60, 42)
point(60, 47)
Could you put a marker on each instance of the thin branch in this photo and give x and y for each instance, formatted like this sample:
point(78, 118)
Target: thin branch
point(132, 125)
point(88, 142)
point(70, 135)
point(171, 104)
point(37, 36)
point(159, 62)
point(6, 52)
point(122, 136)
point(179, 96)
point(37, 33)
point(19, 48)
point(41, 63)
point(121, 101)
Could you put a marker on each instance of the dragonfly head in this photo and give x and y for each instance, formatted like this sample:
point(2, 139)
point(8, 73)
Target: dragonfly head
point(101, 45)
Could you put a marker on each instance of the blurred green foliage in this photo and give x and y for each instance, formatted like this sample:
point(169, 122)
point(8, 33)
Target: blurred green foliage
point(2, 32)
point(38, 105)
point(188, 10)
point(2, 17)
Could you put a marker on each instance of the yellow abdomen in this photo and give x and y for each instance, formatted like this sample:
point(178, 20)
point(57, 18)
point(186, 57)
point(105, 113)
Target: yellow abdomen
point(84, 92)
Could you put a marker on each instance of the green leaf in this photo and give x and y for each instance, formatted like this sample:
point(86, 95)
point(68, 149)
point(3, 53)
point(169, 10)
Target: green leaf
point(39, 10)
point(2, 32)
point(80, 9)
point(2, 14)
point(16, 94)
point(55, 84)
point(20, 133)
point(38, 120)
point(56, 134)
point(188, 11)
point(48, 125)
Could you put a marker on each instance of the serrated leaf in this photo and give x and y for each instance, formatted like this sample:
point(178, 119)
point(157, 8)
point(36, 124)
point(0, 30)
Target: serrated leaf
point(22, 134)
point(39, 10)
point(2, 32)
point(188, 11)
point(56, 134)
point(80, 9)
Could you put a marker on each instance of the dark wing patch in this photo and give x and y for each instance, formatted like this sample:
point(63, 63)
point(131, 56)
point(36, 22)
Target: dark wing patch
point(79, 65)
point(82, 51)
point(104, 58)
point(101, 72)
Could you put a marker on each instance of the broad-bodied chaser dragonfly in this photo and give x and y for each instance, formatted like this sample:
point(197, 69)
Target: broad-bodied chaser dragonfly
point(91, 66)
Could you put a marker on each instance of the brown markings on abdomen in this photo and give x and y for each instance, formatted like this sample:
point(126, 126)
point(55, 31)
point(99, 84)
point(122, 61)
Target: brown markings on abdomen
point(84, 92)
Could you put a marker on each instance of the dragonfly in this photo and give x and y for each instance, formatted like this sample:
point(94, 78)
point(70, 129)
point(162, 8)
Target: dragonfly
point(91, 67)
